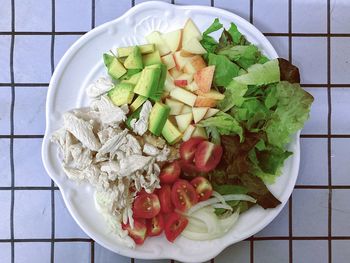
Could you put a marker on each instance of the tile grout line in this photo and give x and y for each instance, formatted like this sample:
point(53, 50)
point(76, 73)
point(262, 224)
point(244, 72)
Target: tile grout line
point(52, 54)
point(290, 203)
point(93, 24)
point(329, 131)
point(12, 164)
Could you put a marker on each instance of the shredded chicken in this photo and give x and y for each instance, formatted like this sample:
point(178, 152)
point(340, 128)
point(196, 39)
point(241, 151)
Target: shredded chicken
point(99, 87)
point(140, 126)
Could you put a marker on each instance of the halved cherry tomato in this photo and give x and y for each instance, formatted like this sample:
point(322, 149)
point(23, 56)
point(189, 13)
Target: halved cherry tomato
point(164, 195)
point(138, 233)
point(170, 173)
point(155, 225)
point(183, 195)
point(203, 188)
point(174, 225)
point(188, 148)
point(146, 206)
point(208, 156)
point(188, 167)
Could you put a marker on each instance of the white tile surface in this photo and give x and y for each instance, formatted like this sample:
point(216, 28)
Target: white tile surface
point(340, 161)
point(313, 162)
point(239, 252)
point(340, 60)
point(271, 16)
point(65, 224)
point(309, 205)
point(107, 10)
point(310, 251)
point(309, 16)
point(30, 110)
point(5, 203)
point(77, 252)
point(5, 17)
point(278, 227)
point(340, 212)
point(5, 45)
point(103, 255)
point(73, 15)
point(271, 251)
point(32, 252)
point(310, 54)
point(340, 251)
point(27, 152)
point(5, 171)
point(239, 7)
point(62, 44)
point(5, 252)
point(32, 214)
point(281, 46)
point(340, 19)
point(33, 15)
point(340, 111)
point(32, 59)
point(317, 123)
point(5, 108)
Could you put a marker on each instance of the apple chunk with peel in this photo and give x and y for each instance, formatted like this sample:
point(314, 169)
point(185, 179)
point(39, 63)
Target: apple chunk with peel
point(193, 46)
point(186, 109)
point(188, 133)
point(183, 96)
point(174, 72)
point(175, 106)
point(169, 83)
point(193, 87)
point(168, 61)
point(204, 78)
point(185, 76)
point(156, 38)
point(212, 94)
point(205, 102)
point(199, 132)
point(190, 31)
point(195, 64)
point(199, 113)
point(180, 60)
point(183, 121)
point(180, 82)
point(173, 39)
point(210, 113)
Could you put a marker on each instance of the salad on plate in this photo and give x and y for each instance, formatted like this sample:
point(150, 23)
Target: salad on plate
point(183, 134)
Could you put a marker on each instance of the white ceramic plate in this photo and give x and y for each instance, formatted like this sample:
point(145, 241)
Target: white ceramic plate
point(82, 64)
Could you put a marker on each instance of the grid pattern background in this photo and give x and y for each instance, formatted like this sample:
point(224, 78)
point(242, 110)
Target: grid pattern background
point(313, 227)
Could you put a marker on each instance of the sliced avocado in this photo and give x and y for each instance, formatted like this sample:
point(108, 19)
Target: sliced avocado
point(107, 59)
point(133, 79)
point(134, 115)
point(126, 51)
point(116, 69)
point(156, 96)
point(148, 82)
point(137, 102)
point(157, 118)
point(130, 73)
point(152, 58)
point(122, 94)
point(134, 60)
point(171, 134)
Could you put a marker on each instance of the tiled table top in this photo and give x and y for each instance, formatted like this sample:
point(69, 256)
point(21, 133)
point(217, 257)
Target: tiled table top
point(36, 227)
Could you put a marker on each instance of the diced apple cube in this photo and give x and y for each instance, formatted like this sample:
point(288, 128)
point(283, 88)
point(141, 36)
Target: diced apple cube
point(169, 83)
point(190, 31)
point(195, 64)
point(180, 60)
point(169, 61)
point(212, 94)
point(180, 83)
point(205, 102)
point(174, 72)
point(185, 76)
point(156, 38)
point(183, 96)
point(199, 132)
point(175, 106)
point(204, 78)
point(193, 87)
point(186, 109)
point(199, 113)
point(183, 121)
point(173, 39)
point(210, 113)
point(188, 133)
point(193, 46)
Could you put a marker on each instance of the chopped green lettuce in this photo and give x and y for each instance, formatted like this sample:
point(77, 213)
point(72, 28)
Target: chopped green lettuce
point(225, 70)
point(234, 96)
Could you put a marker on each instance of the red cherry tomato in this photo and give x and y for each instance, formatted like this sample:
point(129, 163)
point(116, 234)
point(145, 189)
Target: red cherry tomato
point(164, 195)
point(138, 233)
point(170, 173)
point(188, 167)
point(207, 156)
point(203, 188)
point(188, 148)
point(146, 206)
point(155, 225)
point(183, 195)
point(174, 225)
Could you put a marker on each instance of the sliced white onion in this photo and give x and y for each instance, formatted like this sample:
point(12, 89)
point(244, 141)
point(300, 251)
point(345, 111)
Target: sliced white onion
point(219, 196)
point(215, 200)
point(223, 206)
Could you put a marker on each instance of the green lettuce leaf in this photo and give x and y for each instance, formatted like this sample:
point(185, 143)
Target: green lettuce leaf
point(224, 123)
point(225, 70)
point(215, 26)
point(237, 37)
point(234, 96)
point(292, 107)
point(213, 134)
point(209, 44)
